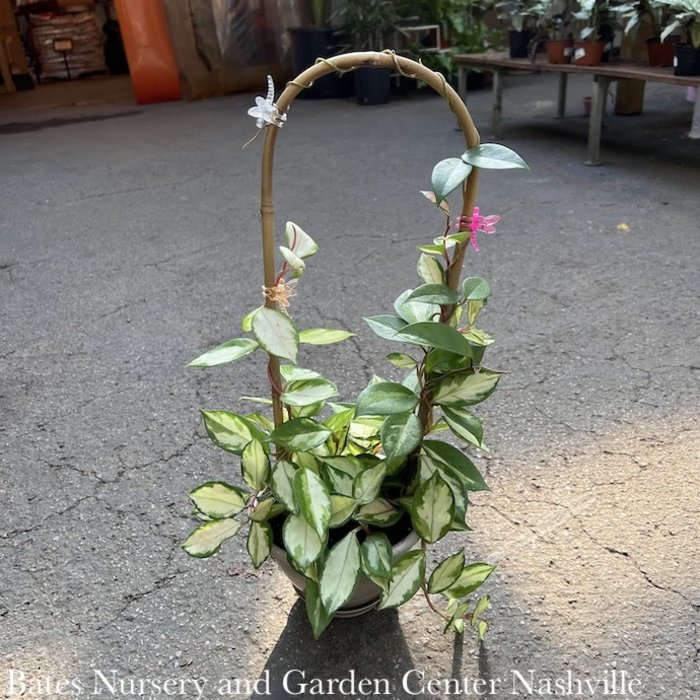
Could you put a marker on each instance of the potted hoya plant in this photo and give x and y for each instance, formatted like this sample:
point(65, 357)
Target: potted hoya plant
point(347, 494)
point(686, 18)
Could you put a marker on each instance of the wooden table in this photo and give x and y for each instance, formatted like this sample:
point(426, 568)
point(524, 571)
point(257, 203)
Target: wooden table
point(603, 75)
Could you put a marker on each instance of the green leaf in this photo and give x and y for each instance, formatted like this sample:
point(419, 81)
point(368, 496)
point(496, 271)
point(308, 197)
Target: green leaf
point(480, 607)
point(229, 431)
point(266, 509)
point(458, 611)
point(369, 483)
point(323, 336)
point(437, 335)
point(470, 579)
point(299, 434)
point(431, 197)
point(434, 294)
point(301, 541)
point(226, 352)
point(433, 509)
point(385, 326)
point(414, 311)
point(464, 424)
point(407, 575)
point(493, 156)
point(430, 270)
point(315, 612)
point(282, 484)
point(466, 389)
point(299, 241)
point(247, 321)
point(218, 499)
point(441, 361)
point(475, 289)
point(276, 333)
point(313, 409)
point(306, 392)
point(435, 249)
point(401, 360)
point(293, 260)
point(400, 435)
point(341, 473)
point(379, 512)
point(456, 463)
point(448, 175)
point(428, 466)
point(314, 500)
point(292, 373)
point(446, 573)
point(375, 553)
point(474, 309)
point(340, 420)
point(342, 509)
point(340, 573)
point(385, 398)
point(207, 538)
point(478, 337)
point(255, 465)
point(259, 543)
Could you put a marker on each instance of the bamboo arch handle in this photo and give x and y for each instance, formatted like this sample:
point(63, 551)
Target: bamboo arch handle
point(344, 63)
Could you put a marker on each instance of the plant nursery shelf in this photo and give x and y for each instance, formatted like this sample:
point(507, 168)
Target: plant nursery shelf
point(603, 75)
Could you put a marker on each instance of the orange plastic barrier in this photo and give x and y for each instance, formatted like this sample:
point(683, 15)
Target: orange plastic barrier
point(149, 51)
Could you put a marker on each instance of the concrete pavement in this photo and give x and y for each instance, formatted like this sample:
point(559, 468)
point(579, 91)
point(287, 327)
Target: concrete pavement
point(129, 243)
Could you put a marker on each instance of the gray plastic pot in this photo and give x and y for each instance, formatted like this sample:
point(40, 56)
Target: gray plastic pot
point(366, 595)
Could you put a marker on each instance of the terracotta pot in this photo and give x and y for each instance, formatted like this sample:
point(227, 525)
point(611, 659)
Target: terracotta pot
point(660, 53)
point(366, 596)
point(588, 53)
point(686, 60)
point(560, 51)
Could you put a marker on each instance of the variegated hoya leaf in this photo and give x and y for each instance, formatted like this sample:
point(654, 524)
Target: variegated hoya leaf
point(217, 499)
point(207, 538)
point(407, 576)
point(259, 542)
point(433, 509)
point(340, 573)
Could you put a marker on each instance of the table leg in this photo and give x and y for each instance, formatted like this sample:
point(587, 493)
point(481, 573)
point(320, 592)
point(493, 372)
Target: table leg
point(601, 84)
point(695, 125)
point(462, 82)
point(497, 101)
point(561, 98)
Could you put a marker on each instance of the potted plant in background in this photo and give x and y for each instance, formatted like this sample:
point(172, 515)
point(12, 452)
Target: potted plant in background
point(553, 21)
point(341, 489)
point(312, 40)
point(644, 21)
point(596, 21)
point(520, 15)
point(370, 25)
point(685, 17)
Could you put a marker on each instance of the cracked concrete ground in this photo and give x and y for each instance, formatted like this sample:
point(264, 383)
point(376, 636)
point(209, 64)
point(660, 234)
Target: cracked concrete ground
point(128, 245)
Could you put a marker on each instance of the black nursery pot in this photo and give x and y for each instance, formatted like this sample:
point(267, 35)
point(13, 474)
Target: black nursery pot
point(519, 43)
point(308, 44)
point(372, 85)
point(686, 60)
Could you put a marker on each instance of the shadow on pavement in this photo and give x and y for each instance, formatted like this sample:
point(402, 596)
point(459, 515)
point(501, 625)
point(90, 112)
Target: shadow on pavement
point(370, 647)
